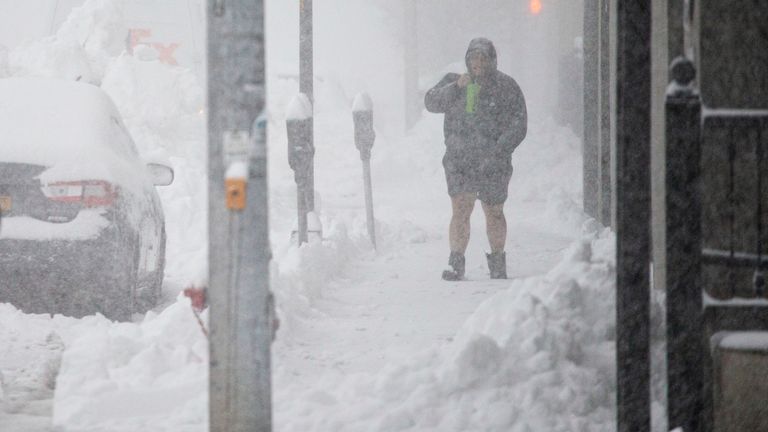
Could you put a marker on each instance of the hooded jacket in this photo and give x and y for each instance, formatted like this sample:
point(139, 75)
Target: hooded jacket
point(498, 123)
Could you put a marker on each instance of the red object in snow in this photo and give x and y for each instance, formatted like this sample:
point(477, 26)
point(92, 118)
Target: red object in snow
point(197, 296)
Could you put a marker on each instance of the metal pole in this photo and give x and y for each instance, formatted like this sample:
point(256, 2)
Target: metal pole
point(240, 316)
point(591, 106)
point(301, 207)
point(685, 327)
point(605, 183)
point(633, 215)
point(676, 37)
point(369, 202)
point(306, 84)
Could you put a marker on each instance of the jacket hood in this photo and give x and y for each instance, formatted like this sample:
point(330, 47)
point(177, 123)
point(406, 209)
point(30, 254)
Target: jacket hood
point(484, 46)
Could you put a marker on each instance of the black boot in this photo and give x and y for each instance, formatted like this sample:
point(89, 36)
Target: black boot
point(497, 264)
point(457, 262)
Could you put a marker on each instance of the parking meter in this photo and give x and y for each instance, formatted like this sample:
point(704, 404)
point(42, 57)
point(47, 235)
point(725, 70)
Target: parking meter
point(362, 113)
point(301, 154)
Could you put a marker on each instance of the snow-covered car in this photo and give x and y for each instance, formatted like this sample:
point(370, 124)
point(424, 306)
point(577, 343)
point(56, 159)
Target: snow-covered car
point(81, 224)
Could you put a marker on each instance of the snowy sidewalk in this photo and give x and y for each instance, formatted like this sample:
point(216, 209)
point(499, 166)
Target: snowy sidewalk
point(396, 304)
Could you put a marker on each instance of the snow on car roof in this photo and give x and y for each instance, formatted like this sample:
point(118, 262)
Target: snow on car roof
point(71, 127)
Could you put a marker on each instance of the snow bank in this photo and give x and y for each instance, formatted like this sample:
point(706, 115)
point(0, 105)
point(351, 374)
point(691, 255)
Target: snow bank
point(52, 58)
point(537, 356)
point(30, 356)
point(563, 215)
point(549, 158)
point(301, 274)
point(80, 50)
point(99, 27)
point(127, 377)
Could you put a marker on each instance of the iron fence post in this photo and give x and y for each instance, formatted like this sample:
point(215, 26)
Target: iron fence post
point(685, 336)
point(633, 215)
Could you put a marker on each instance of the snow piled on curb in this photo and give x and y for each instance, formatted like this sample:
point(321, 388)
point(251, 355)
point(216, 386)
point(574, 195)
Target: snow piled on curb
point(549, 159)
point(537, 356)
point(128, 377)
point(300, 275)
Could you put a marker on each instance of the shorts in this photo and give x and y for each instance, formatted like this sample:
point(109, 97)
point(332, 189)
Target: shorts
point(489, 180)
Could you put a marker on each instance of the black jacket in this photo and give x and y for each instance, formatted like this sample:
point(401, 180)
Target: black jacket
point(500, 120)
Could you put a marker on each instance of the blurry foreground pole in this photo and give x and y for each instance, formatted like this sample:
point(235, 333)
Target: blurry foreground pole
point(301, 153)
point(633, 215)
point(590, 136)
point(240, 314)
point(306, 84)
point(605, 181)
point(362, 114)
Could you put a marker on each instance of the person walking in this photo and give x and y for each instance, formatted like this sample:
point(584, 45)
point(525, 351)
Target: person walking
point(485, 120)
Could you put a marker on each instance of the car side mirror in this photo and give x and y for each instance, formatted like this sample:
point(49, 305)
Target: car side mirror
point(161, 175)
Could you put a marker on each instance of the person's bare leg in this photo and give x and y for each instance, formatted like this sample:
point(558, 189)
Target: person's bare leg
point(495, 226)
point(458, 233)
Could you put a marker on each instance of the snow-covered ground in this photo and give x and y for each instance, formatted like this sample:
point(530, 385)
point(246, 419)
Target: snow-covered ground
point(369, 339)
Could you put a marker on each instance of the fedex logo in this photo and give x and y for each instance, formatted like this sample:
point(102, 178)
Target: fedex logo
point(139, 37)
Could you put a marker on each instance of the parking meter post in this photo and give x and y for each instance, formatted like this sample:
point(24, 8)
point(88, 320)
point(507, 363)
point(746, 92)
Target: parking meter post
point(238, 281)
point(362, 115)
point(301, 206)
point(310, 188)
point(370, 223)
point(301, 154)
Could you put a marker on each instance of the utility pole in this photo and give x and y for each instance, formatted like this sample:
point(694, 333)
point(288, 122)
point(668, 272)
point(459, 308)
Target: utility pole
point(239, 254)
point(605, 190)
point(411, 50)
point(306, 85)
point(590, 134)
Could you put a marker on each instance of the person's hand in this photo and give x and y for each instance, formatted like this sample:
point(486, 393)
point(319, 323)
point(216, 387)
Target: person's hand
point(463, 81)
